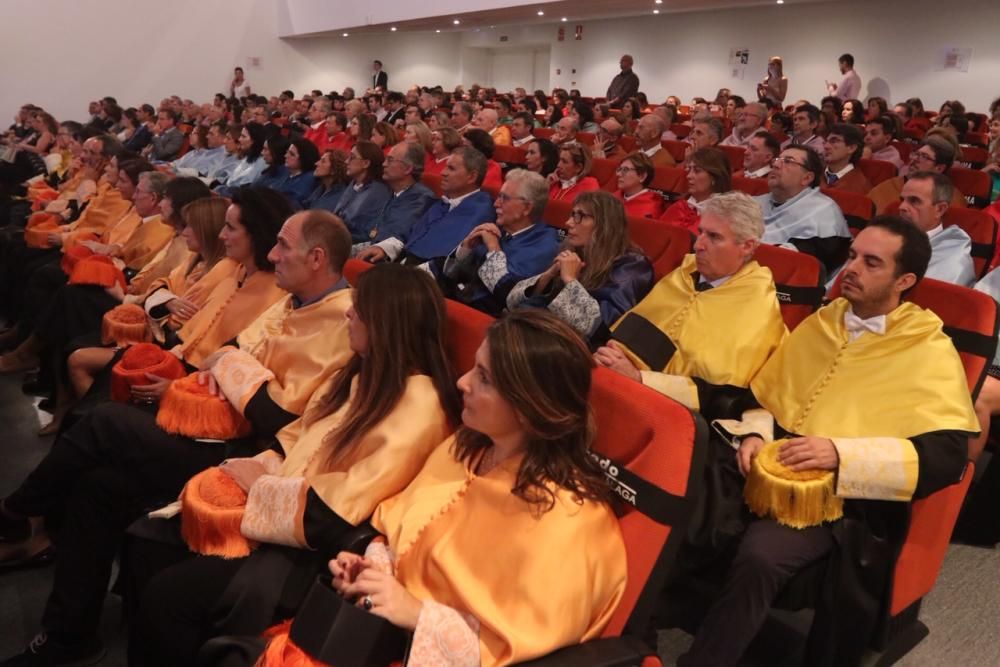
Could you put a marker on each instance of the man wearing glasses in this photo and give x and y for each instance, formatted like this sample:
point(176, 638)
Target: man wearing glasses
point(936, 153)
point(608, 134)
point(494, 257)
point(748, 120)
point(797, 215)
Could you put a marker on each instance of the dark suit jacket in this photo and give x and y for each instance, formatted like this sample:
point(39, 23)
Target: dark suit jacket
point(381, 80)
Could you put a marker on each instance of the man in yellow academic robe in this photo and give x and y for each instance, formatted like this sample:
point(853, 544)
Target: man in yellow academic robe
point(869, 387)
point(705, 329)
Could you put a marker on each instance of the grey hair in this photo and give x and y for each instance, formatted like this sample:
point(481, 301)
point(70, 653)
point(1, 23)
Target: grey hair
point(943, 190)
point(473, 161)
point(714, 126)
point(534, 188)
point(741, 211)
point(157, 181)
point(415, 156)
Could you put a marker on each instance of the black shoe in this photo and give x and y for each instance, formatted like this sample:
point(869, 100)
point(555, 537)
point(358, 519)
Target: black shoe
point(43, 651)
point(13, 530)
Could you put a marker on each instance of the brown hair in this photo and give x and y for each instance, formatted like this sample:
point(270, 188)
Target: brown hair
point(716, 163)
point(405, 314)
point(643, 166)
point(375, 157)
point(580, 156)
point(338, 166)
point(423, 133)
point(366, 124)
point(610, 239)
point(543, 369)
point(206, 217)
point(449, 137)
point(387, 131)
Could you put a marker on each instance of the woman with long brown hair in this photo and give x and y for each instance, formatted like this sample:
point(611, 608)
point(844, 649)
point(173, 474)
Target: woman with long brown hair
point(516, 484)
point(599, 275)
point(360, 441)
point(709, 173)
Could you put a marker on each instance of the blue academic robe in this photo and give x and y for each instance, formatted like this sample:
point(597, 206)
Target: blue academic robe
point(324, 198)
point(273, 177)
point(809, 222)
point(488, 277)
point(440, 230)
point(951, 257)
point(991, 285)
point(298, 188)
point(400, 213)
point(360, 208)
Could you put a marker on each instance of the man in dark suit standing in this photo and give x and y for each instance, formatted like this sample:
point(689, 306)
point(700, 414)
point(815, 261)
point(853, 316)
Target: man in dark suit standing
point(380, 79)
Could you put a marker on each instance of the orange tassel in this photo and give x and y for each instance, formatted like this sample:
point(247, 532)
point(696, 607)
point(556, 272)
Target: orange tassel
point(131, 369)
point(281, 652)
point(97, 270)
point(72, 256)
point(36, 232)
point(188, 409)
point(125, 325)
point(212, 505)
point(74, 240)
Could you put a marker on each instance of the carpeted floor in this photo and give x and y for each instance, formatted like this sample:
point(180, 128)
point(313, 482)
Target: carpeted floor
point(961, 612)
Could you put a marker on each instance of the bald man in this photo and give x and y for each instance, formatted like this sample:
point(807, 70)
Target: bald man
point(489, 120)
point(624, 85)
point(608, 134)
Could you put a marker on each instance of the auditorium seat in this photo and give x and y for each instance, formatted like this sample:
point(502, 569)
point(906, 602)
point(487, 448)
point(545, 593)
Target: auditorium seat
point(975, 185)
point(466, 331)
point(858, 209)
point(432, 181)
point(354, 268)
point(543, 132)
point(973, 157)
point(512, 156)
point(676, 149)
point(671, 181)
point(904, 150)
point(735, 155)
point(877, 171)
point(680, 131)
point(665, 245)
point(799, 281)
point(982, 229)
point(603, 170)
point(557, 212)
point(627, 143)
point(652, 450)
point(586, 138)
point(751, 186)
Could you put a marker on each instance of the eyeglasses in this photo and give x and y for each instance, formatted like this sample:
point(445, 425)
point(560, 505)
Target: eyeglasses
point(352, 156)
point(922, 156)
point(577, 215)
point(624, 170)
point(781, 161)
point(503, 198)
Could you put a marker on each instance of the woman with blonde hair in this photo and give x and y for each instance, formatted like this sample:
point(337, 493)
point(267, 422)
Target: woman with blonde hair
point(774, 87)
point(572, 174)
point(597, 277)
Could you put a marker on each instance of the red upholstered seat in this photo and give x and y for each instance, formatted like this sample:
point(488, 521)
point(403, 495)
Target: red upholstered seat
point(974, 184)
point(543, 132)
point(877, 171)
point(665, 245)
point(974, 157)
point(586, 138)
point(751, 186)
point(627, 143)
point(466, 330)
point(676, 148)
point(557, 212)
point(735, 155)
point(858, 209)
point(354, 268)
point(669, 180)
point(798, 280)
point(680, 131)
point(432, 181)
point(603, 170)
point(982, 229)
point(510, 155)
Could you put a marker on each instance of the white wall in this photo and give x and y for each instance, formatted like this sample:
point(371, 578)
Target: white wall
point(138, 53)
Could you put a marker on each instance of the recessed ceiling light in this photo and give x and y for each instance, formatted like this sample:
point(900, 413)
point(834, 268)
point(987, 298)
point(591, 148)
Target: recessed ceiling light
point(344, 35)
point(541, 13)
point(437, 31)
point(563, 19)
point(656, 11)
point(456, 22)
point(393, 28)
point(781, 2)
point(659, 2)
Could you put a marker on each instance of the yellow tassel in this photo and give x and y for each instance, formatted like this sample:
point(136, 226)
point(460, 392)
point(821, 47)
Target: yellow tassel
point(795, 499)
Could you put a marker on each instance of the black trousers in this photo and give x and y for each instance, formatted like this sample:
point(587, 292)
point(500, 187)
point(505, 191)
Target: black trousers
point(100, 476)
point(768, 556)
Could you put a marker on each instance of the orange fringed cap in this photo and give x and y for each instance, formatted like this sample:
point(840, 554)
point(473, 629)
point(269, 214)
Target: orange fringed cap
point(281, 651)
point(40, 225)
point(98, 270)
point(131, 369)
point(125, 325)
point(188, 409)
point(212, 505)
point(72, 256)
point(42, 196)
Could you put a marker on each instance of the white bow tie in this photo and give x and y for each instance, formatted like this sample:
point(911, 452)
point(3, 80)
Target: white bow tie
point(857, 326)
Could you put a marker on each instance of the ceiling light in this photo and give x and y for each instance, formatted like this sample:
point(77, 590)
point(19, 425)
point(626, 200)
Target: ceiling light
point(456, 22)
point(344, 35)
point(659, 2)
point(656, 11)
point(781, 2)
point(541, 13)
point(563, 19)
point(393, 28)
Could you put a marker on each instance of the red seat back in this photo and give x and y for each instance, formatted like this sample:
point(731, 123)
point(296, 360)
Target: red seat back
point(543, 132)
point(982, 229)
point(511, 155)
point(664, 244)
point(627, 143)
point(354, 268)
point(586, 138)
point(735, 155)
point(680, 131)
point(466, 330)
point(675, 148)
point(974, 157)
point(643, 434)
point(432, 181)
point(798, 281)
point(975, 185)
point(858, 209)
point(903, 148)
point(669, 180)
point(751, 186)
point(877, 170)
point(604, 171)
point(557, 212)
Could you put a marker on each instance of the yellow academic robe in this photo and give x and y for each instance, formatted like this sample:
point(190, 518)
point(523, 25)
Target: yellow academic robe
point(378, 466)
point(145, 242)
point(106, 208)
point(193, 283)
point(171, 256)
point(232, 306)
point(722, 336)
point(869, 396)
point(532, 582)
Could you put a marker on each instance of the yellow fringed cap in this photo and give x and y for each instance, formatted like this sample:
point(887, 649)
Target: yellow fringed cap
point(797, 499)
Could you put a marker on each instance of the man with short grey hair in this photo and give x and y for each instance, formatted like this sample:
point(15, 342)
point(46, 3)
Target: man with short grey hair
point(410, 198)
point(647, 135)
point(749, 119)
point(566, 130)
point(494, 257)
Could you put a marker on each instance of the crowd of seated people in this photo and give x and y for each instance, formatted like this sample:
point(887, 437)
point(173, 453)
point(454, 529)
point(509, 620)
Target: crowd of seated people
point(223, 231)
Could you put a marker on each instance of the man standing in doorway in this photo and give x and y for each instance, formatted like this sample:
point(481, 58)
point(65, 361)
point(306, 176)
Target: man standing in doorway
point(624, 85)
point(380, 78)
